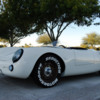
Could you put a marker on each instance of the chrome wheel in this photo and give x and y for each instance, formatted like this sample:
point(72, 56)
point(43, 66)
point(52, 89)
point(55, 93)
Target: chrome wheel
point(48, 71)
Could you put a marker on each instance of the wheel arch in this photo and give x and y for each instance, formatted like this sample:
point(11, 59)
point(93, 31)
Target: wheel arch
point(59, 58)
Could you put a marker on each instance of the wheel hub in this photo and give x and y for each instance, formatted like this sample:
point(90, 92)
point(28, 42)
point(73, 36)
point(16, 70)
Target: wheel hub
point(47, 71)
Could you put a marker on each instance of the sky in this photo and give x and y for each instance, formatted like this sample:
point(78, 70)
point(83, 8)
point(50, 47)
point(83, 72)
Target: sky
point(71, 36)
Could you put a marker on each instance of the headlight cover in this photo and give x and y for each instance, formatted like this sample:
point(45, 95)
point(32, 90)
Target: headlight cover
point(17, 55)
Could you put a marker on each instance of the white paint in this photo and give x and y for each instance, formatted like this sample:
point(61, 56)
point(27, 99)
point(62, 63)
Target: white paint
point(74, 65)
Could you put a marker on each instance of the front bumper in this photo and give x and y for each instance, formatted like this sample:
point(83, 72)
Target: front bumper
point(20, 70)
point(4, 67)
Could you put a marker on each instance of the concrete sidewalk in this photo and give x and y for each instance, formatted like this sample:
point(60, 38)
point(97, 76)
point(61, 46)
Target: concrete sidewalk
point(84, 87)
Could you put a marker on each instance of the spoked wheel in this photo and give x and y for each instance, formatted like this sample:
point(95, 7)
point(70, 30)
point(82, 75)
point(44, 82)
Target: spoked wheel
point(47, 71)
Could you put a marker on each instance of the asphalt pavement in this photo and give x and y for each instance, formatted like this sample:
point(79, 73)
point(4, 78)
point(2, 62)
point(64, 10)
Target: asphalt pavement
point(84, 87)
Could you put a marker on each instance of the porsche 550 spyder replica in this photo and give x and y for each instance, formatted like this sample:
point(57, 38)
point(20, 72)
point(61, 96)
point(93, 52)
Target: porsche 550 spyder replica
point(47, 64)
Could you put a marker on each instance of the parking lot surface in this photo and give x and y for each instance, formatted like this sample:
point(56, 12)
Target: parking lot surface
point(83, 87)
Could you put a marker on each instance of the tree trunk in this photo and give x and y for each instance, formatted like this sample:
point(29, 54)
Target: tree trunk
point(11, 40)
point(11, 45)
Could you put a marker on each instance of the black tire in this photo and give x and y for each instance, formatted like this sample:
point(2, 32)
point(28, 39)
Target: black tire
point(99, 72)
point(47, 71)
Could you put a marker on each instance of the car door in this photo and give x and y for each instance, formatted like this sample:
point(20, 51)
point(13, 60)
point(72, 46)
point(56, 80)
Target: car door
point(85, 61)
point(97, 59)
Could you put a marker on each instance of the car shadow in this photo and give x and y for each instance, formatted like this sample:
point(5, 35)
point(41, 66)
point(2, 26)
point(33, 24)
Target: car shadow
point(30, 84)
point(78, 78)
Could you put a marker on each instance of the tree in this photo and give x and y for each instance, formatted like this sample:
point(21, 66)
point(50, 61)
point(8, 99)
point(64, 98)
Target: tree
point(45, 39)
point(9, 30)
point(59, 14)
point(49, 15)
point(13, 23)
point(91, 40)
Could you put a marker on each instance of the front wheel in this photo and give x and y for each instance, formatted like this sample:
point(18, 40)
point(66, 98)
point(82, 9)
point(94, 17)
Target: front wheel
point(47, 70)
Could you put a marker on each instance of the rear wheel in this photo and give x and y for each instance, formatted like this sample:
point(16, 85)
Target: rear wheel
point(47, 70)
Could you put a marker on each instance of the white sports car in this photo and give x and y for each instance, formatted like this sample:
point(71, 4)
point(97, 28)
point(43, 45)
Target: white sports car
point(47, 64)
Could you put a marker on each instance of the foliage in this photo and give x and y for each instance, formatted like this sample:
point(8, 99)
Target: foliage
point(28, 16)
point(84, 46)
point(2, 46)
point(27, 46)
point(13, 23)
point(3, 40)
point(59, 14)
point(91, 40)
point(45, 39)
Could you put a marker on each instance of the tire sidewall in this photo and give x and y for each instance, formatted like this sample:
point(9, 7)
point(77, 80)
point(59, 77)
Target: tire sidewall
point(43, 60)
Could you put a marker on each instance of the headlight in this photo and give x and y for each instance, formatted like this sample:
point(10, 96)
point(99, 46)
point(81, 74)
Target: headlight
point(18, 54)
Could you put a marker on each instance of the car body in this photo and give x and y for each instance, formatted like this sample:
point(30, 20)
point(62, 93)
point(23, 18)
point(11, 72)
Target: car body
point(48, 63)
